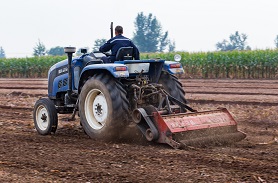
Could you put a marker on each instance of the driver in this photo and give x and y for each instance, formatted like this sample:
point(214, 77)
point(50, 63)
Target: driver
point(115, 43)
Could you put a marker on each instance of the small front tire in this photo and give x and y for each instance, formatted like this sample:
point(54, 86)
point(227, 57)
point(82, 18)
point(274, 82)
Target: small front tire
point(45, 116)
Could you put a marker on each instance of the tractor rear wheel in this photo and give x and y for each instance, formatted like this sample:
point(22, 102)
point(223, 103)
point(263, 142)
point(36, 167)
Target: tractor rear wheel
point(103, 107)
point(172, 86)
point(45, 116)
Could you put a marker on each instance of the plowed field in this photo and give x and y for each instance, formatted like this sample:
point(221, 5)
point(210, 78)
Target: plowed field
point(71, 156)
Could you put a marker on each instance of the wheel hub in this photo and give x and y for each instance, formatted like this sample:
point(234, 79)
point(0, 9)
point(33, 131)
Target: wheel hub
point(44, 117)
point(100, 108)
point(96, 109)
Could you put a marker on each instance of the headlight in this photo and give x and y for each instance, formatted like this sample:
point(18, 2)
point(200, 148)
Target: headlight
point(177, 58)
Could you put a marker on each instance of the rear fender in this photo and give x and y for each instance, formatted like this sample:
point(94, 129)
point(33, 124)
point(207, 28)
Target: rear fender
point(173, 67)
point(111, 69)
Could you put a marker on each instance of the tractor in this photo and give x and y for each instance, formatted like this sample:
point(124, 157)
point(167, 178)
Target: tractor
point(110, 96)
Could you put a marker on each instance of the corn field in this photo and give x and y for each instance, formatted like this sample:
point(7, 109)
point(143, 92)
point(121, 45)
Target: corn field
point(233, 64)
point(34, 67)
point(257, 64)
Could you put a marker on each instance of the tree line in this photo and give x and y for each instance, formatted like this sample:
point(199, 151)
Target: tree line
point(149, 37)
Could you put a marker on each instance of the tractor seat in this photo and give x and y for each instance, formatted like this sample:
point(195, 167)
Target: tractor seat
point(124, 53)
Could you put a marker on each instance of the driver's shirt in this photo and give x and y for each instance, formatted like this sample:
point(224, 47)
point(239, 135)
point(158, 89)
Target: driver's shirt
point(115, 43)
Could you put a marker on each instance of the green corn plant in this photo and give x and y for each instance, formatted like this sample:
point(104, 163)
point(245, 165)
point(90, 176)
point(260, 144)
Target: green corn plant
point(233, 64)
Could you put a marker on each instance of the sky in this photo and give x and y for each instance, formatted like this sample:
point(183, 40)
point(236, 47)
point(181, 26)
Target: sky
point(194, 25)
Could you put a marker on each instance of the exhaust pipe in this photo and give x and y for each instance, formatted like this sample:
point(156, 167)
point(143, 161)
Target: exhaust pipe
point(69, 51)
point(111, 29)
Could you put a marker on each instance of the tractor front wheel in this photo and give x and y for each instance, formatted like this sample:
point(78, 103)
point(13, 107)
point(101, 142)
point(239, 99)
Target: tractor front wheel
point(45, 116)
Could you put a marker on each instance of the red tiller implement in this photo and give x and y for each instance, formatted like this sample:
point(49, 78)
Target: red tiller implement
point(186, 129)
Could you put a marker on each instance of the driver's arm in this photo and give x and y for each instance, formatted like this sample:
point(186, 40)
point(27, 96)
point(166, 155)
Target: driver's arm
point(106, 47)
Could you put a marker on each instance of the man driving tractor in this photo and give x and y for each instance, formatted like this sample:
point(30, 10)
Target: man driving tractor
point(115, 43)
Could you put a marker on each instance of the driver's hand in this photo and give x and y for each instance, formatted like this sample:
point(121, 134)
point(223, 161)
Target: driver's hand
point(107, 54)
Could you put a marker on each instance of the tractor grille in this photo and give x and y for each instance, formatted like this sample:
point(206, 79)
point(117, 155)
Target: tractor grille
point(60, 84)
point(65, 82)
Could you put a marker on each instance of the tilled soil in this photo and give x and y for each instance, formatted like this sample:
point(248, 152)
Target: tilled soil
point(71, 156)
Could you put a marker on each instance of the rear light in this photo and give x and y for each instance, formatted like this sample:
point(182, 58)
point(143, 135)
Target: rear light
point(120, 68)
point(175, 65)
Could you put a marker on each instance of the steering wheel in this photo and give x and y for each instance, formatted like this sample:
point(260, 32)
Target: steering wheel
point(107, 53)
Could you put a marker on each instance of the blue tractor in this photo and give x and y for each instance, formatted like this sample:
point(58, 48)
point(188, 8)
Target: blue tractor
point(110, 96)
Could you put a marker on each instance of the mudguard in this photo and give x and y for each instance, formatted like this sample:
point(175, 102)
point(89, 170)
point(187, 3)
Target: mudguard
point(173, 67)
point(108, 67)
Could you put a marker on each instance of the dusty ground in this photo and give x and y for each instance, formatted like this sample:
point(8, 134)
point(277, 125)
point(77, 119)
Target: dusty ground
point(70, 156)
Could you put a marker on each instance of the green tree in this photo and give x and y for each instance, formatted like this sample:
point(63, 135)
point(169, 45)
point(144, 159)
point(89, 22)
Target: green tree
point(276, 41)
point(98, 44)
point(39, 49)
point(2, 53)
point(237, 42)
point(172, 46)
point(148, 35)
point(55, 51)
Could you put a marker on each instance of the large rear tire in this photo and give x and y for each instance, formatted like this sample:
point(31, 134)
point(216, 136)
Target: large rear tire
point(45, 116)
point(103, 107)
point(172, 86)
